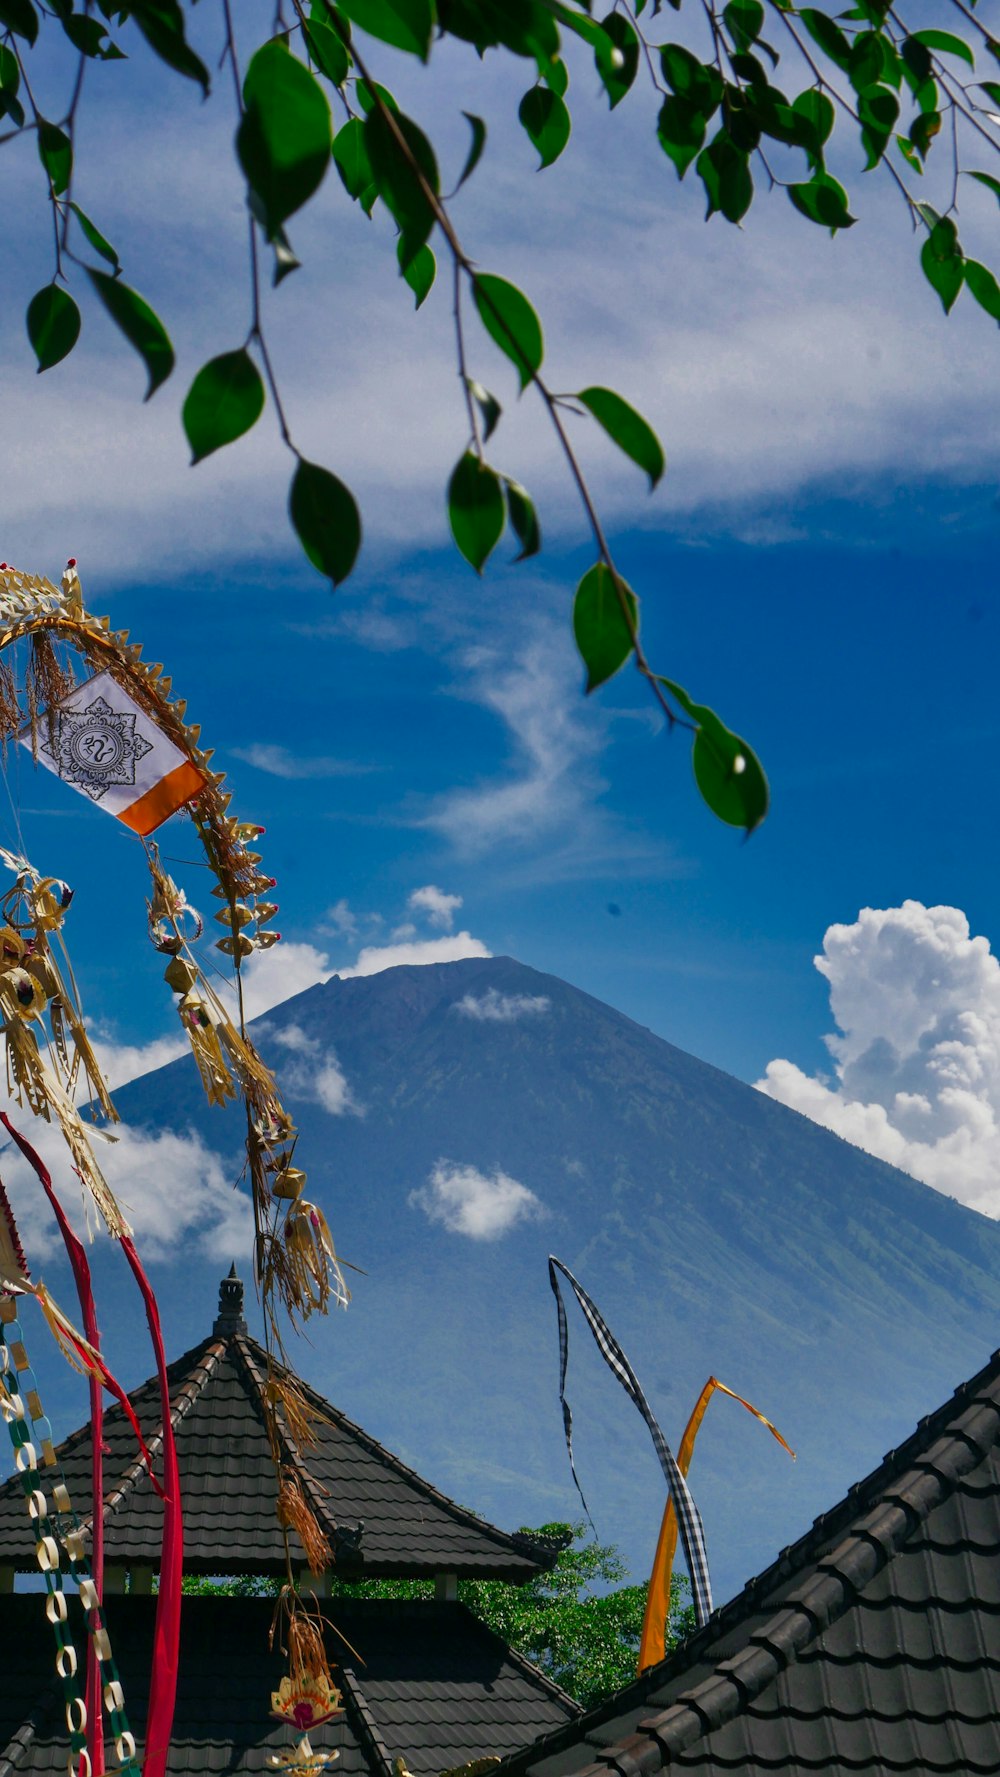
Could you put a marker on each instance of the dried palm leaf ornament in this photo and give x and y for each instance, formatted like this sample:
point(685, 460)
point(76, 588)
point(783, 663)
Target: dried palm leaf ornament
point(104, 721)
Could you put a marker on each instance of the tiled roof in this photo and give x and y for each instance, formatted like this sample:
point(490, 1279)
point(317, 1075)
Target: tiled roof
point(872, 1645)
point(427, 1682)
point(380, 1516)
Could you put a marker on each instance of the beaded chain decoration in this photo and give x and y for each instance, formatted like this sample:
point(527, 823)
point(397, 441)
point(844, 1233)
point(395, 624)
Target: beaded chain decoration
point(57, 1534)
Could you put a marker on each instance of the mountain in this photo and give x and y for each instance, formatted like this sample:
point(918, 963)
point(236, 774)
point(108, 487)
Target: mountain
point(718, 1231)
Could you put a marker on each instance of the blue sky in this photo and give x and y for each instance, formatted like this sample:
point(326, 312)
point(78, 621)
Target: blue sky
point(819, 564)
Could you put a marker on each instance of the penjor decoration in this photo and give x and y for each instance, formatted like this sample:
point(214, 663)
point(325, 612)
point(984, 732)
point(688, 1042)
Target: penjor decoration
point(90, 709)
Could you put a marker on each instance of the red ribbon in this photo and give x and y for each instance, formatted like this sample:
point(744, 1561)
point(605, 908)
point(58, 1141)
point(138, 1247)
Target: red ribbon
point(167, 1630)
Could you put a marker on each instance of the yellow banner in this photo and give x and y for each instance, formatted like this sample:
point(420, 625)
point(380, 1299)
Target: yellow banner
point(652, 1643)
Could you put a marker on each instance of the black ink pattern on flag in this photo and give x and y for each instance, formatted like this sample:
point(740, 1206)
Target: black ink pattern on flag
point(96, 747)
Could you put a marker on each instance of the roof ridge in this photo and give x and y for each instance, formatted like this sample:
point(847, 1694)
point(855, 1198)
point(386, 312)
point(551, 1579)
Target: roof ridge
point(316, 1492)
point(363, 1721)
point(527, 1666)
point(212, 1351)
point(511, 1540)
point(901, 1494)
point(23, 1735)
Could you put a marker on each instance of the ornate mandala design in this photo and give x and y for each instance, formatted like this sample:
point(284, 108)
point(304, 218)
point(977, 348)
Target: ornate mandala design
point(96, 747)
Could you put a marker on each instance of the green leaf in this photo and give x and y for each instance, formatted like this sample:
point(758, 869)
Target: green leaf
point(941, 259)
point(828, 36)
point(56, 153)
point(474, 155)
point(546, 121)
point(868, 60)
point(947, 43)
point(53, 325)
point(351, 158)
point(603, 636)
point(475, 508)
point(916, 60)
point(556, 75)
point(923, 130)
point(94, 237)
point(87, 36)
point(285, 134)
point(878, 109)
point(488, 406)
point(511, 321)
point(824, 201)
point(10, 73)
point(745, 20)
point(725, 174)
point(523, 518)
point(984, 287)
point(986, 179)
point(818, 112)
point(224, 401)
point(325, 519)
point(162, 24)
point(690, 79)
point(727, 771)
point(627, 429)
point(406, 24)
point(681, 130)
point(420, 272)
point(327, 47)
point(402, 188)
point(616, 53)
point(141, 327)
point(20, 17)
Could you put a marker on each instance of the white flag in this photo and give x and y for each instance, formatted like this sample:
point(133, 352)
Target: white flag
point(101, 742)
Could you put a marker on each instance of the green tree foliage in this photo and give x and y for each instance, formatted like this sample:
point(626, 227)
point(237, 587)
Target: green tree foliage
point(760, 95)
point(577, 1622)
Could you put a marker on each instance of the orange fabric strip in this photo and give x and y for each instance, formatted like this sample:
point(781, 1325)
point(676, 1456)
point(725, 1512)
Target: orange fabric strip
point(654, 1624)
point(164, 799)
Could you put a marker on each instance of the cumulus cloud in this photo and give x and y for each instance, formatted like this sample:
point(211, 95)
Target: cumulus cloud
point(174, 1190)
point(438, 908)
point(315, 1073)
point(279, 762)
point(502, 1008)
point(917, 1051)
point(483, 1206)
point(453, 949)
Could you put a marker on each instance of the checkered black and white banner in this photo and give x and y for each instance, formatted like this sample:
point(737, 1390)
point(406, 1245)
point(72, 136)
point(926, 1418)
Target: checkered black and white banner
point(688, 1519)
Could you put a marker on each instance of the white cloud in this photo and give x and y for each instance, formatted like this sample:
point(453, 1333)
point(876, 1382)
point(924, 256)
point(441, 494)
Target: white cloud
point(272, 976)
point(917, 1053)
point(339, 921)
point(279, 762)
point(120, 1062)
point(439, 908)
point(173, 1189)
point(480, 1205)
point(550, 779)
point(315, 1073)
point(502, 1008)
point(452, 949)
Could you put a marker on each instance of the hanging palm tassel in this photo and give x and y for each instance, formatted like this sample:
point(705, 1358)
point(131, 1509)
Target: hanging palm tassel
point(652, 1643)
point(295, 1513)
point(692, 1534)
point(11, 718)
point(307, 1696)
point(47, 682)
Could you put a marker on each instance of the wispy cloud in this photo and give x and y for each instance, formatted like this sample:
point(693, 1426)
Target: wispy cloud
point(438, 908)
point(315, 1073)
point(278, 761)
point(554, 748)
point(494, 1007)
point(916, 1055)
point(482, 1206)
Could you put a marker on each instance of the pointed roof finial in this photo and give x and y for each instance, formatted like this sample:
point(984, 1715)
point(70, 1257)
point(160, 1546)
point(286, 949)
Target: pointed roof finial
point(230, 1316)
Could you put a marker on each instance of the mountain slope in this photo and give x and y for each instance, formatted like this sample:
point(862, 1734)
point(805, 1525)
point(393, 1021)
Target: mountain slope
point(717, 1230)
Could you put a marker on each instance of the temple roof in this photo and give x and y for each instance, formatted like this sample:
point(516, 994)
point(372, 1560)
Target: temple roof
point(380, 1517)
point(871, 1645)
point(426, 1682)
